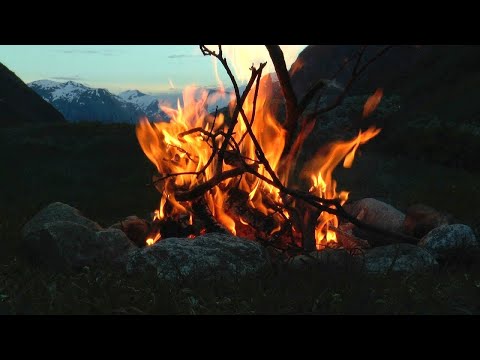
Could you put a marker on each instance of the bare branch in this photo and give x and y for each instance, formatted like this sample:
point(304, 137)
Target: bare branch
point(331, 206)
point(255, 96)
point(357, 71)
point(276, 54)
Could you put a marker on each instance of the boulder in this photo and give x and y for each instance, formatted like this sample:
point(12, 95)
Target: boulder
point(61, 239)
point(420, 219)
point(378, 213)
point(135, 228)
point(450, 241)
point(207, 257)
point(399, 258)
point(58, 212)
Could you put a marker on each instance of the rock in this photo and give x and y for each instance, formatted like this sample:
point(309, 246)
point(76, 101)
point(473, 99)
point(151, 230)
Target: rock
point(450, 241)
point(331, 259)
point(135, 228)
point(375, 212)
point(400, 258)
point(207, 257)
point(378, 213)
point(420, 219)
point(65, 246)
point(57, 212)
point(61, 239)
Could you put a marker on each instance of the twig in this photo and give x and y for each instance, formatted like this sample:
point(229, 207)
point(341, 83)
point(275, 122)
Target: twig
point(331, 206)
point(357, 71)
point(255, 96)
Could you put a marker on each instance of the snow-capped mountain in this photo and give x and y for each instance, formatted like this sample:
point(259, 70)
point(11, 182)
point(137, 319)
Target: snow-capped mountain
point(148, 104)
point(78, 102)
point(138, 98)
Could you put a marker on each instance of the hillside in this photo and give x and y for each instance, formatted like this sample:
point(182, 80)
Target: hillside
point(428, 99)
point(19, 104)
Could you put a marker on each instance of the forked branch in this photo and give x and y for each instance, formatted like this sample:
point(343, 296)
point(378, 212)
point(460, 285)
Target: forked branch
point(331, 206)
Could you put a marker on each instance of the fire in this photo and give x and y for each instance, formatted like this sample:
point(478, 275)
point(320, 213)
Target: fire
point(243, 56)
point(185, 145)
point(320, 170)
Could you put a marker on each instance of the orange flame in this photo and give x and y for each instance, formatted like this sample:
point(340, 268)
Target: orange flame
point(320, 170)
point(184, 146)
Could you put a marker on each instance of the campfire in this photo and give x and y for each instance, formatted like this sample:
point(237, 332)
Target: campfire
point(236, 172)
point(247, 192)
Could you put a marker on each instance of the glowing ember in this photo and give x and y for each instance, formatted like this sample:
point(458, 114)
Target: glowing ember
point(151, 241)
point(185, 144)
point(372, 103)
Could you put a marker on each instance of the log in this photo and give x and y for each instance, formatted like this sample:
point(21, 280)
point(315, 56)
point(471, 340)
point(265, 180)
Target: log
point(237, 203)
point(202, 213)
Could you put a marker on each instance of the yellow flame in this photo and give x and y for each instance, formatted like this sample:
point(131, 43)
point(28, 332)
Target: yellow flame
point(151, 241)
point(184, 145)
point(320, 170)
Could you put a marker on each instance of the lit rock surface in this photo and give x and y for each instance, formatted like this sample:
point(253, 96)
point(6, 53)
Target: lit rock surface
point(375, 212)
point(211, 256)
point(378, 213)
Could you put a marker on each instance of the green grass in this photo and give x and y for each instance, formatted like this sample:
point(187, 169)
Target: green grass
point(101, 170)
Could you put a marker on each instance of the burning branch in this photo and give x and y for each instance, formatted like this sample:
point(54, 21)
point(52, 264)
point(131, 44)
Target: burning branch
point(294, 108)
point(228, 159)
point(290, 125)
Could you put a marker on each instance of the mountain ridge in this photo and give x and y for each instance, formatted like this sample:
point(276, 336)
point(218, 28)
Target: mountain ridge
point(19, 104)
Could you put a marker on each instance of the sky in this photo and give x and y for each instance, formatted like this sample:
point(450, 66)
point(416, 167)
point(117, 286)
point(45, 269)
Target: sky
point(148, 68)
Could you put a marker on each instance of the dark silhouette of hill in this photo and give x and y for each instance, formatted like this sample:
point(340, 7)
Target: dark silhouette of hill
point(20, 105)
point(438, 79)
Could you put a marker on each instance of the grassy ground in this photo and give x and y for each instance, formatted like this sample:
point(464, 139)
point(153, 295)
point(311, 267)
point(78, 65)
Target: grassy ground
point(101, 170)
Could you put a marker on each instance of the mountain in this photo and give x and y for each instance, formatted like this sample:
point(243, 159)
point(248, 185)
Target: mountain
point(19, 104)
point(148, 104)
point(78, 102)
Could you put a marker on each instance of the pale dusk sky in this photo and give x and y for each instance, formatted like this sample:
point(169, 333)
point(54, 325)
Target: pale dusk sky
point(148, 68)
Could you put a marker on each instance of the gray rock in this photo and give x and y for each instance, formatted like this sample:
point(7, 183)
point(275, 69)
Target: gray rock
point(375, 212)
point(207, 257)
point(61, 239)
point(450, 241)
point(57, 212)
point(400, 258)
point(333, 259)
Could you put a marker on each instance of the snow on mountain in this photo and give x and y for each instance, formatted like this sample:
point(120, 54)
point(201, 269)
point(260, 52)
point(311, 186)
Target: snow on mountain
point(78, 102)
point(46, 84)
point(143, 101)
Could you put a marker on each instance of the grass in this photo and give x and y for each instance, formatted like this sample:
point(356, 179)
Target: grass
point(101, 170)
